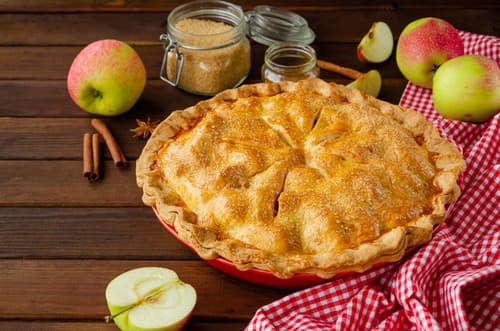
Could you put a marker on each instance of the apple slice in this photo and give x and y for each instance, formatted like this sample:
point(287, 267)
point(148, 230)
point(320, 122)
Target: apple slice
point(368, 83)
point(149, 298)
point(376, 46)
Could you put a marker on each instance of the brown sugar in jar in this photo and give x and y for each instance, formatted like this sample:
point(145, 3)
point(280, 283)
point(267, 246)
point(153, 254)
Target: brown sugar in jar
point(207, 49)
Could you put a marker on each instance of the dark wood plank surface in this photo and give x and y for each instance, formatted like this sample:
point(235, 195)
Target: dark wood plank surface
point(26, 62)
point(52, 234)
point(147, 27)
point(63, 239)
point(74, 288)
point(162, 5)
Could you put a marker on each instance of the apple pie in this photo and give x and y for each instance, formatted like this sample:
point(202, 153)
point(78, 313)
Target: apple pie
point(299, 177)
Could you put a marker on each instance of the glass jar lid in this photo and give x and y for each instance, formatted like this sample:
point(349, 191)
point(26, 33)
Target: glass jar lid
point(268, 25)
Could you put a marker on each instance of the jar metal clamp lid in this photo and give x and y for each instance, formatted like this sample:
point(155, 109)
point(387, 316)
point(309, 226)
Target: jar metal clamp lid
point(164, 38)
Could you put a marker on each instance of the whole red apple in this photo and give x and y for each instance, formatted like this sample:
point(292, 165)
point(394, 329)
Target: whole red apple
point(423, 46)
point(106, 78)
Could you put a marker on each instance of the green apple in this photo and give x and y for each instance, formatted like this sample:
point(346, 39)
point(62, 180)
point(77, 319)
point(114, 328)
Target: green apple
point(467, 88)
point(149, 299)
point(423, 46)
point(106, 78)
point(368, 83)
point(376, 46)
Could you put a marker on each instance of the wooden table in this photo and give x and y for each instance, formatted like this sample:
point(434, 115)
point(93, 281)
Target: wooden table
point(62, 239)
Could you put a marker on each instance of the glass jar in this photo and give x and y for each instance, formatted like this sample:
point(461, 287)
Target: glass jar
point(206, 49)
point(289, 61)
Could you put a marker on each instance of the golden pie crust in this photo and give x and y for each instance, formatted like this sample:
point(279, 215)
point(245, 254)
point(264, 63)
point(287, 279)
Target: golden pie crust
point(299, 177)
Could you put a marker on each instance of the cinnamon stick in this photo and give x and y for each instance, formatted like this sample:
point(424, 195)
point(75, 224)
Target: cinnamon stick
point(91, 156)
point(87, 155)
point(96, 155)
point(115, 150)
point(344, 71)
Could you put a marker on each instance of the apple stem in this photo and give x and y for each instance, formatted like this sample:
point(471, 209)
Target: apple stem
point(151, 297)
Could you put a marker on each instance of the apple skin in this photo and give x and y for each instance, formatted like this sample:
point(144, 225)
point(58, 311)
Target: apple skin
point(423, 46)
point(106, 78)
point(467, 88)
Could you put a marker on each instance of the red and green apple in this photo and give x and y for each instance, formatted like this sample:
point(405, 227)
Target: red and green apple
point(106, 78)
point(423, 46)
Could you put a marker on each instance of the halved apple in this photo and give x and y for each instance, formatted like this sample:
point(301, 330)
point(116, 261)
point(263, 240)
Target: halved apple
point(369, 83)
point(376, 46)
point(149, 298)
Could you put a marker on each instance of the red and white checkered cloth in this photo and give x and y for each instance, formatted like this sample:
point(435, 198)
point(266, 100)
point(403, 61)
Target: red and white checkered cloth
point(453, 282)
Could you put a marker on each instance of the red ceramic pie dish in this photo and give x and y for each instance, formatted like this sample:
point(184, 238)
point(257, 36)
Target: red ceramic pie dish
point(262, 277)
point(255, 276)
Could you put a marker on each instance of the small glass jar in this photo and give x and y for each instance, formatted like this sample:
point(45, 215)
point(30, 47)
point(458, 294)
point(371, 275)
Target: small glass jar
point(289, 61)
point(206, 49)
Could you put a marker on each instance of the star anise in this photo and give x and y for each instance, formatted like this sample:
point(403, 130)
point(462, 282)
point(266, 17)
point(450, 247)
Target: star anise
point(144, 128)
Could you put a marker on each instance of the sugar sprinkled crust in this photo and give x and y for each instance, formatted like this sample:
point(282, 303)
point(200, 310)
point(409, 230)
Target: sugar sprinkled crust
point(306, 177)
